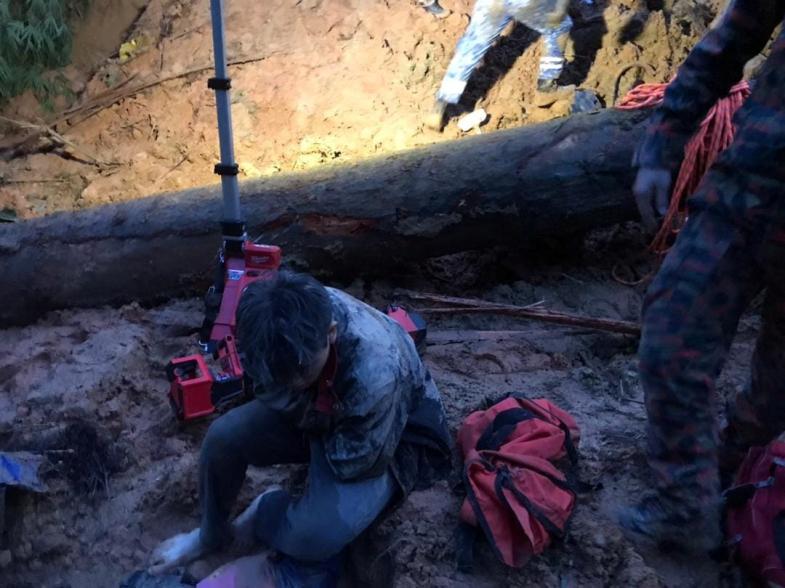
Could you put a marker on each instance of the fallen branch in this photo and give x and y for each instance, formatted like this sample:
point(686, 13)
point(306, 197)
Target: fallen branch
point(57, 139)
point(453, 337)
point(475, 306)
point(457, 301)
point(170, 170)
point(102, 103)
point(7, 182)
point(9, 147)
point(547, 316)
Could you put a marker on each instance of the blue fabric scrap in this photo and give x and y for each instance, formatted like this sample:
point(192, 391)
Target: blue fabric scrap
point(20, 469)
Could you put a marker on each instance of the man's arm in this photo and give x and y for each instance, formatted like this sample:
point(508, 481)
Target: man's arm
point(364, 440)
point(714, 65)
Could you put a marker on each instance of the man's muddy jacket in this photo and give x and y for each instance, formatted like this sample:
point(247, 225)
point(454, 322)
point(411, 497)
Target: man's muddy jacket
point(375, 405)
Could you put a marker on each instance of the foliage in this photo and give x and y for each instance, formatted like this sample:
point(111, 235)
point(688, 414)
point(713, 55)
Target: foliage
point(34, 37)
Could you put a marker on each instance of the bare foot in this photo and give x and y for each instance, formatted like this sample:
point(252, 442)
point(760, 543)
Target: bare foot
point(186, 548)
point(176, 551)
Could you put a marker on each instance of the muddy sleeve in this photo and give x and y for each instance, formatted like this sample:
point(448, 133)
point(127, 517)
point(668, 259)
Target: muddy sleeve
point(364, 441)
point(711, 69)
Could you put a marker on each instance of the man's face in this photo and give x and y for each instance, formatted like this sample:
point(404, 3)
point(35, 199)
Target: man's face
point(310, 374)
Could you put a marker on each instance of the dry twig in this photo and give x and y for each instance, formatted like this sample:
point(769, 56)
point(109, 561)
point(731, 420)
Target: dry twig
point(475, 306)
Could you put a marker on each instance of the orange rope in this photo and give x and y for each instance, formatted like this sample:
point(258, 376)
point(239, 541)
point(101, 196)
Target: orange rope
point(712, 138)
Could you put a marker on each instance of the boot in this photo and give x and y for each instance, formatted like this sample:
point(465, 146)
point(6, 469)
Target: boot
point(435, 117)
point(669, 528)
point(547, 85)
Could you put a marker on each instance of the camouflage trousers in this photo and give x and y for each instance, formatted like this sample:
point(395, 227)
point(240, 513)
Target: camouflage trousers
point(718, 264)
point(489, 19)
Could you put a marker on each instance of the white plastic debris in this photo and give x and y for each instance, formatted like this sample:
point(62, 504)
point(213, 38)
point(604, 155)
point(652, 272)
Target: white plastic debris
point(472, 120)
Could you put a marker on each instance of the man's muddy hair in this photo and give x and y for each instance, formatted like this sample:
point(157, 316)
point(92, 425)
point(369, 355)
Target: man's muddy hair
point(282, 325)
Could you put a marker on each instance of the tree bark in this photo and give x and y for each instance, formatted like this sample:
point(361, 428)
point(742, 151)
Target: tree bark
point(366, 219)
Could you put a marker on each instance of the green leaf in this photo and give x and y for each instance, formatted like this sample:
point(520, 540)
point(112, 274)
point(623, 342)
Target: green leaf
point(34, 36)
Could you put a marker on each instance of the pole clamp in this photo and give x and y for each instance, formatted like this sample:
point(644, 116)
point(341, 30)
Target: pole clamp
point(226, 169)
point(219, 83)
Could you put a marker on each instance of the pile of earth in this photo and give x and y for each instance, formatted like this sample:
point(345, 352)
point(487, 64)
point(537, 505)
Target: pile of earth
point(317, 82)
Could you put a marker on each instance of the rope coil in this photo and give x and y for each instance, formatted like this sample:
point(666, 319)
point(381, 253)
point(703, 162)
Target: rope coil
point(714, 135)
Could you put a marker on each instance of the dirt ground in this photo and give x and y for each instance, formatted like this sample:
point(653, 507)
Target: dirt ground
point(327, 81)
point(89, 387)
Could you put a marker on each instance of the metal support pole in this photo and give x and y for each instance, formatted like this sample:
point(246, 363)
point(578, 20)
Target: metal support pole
point(227, 169)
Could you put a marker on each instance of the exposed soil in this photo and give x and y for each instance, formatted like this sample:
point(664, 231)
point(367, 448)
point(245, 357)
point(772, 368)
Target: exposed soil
point(103, 371)
point(97, 34)
point(331, 81)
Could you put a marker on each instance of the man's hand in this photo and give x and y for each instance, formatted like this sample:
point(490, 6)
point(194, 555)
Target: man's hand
point(652, 193)
point(175, 552)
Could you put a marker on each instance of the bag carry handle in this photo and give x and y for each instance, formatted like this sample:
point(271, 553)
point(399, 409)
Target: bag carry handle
point(499, 431)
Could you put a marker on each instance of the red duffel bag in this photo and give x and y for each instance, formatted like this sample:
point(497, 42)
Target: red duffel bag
point(756, 513)
point(515, 493)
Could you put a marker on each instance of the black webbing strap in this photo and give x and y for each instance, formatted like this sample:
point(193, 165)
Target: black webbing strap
point(569, 444)
point(503, 480)
point(466, 535)
point(502, 427)
point(479, 515)
point(563, 484)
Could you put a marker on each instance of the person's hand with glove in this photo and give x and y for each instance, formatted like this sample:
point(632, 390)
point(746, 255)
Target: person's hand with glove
point(652, 191)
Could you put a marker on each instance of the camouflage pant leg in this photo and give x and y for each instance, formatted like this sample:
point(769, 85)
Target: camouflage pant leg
point(758, 414)
point(690, 316)
point(488, 21)
point(554, 42)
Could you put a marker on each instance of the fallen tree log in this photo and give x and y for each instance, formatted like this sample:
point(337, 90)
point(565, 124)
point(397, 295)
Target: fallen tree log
point(367, 219)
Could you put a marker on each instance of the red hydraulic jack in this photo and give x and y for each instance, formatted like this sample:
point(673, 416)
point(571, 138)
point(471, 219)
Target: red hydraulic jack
point(196, 390)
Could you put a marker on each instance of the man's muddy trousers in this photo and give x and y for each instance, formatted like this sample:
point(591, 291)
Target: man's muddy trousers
point(314, 528)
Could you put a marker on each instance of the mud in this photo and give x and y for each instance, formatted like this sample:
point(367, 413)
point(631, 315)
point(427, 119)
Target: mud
point(329, 81)
point(103, 369)
point(96, 35)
